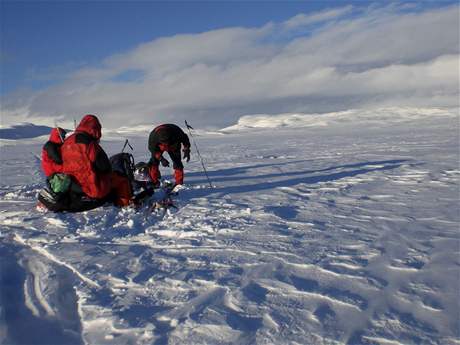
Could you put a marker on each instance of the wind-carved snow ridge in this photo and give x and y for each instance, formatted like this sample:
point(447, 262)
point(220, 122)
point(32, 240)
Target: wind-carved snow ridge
point(344, 234)
point(372, 116)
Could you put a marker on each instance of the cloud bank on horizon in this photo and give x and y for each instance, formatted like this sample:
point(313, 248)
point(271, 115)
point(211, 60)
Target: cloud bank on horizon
point(333, 60)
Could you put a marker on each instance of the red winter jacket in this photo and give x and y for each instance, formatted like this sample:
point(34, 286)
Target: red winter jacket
point(85, 160)
point(167, 137)
point(51, 152)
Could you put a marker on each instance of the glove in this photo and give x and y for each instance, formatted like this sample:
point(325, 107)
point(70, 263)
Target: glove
point(164, 162)
point(186, 154)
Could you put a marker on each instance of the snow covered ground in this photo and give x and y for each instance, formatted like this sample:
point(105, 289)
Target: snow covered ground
point(318, 231)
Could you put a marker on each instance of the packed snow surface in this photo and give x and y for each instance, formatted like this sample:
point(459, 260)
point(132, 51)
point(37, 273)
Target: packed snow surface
point(338, 234)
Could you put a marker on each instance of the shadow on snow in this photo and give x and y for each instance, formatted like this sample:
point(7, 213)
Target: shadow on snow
point(287, 179)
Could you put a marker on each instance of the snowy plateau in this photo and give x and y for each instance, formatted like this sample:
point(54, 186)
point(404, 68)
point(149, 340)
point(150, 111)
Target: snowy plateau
point(338, 228)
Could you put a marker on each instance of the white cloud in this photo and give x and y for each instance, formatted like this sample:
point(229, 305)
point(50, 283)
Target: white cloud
point(305, 19)
point(380, 56)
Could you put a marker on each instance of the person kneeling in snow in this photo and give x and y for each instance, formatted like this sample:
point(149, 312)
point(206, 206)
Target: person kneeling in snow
point(87, 165)
point(100, 178)
point(85, 160)
point(168, 138)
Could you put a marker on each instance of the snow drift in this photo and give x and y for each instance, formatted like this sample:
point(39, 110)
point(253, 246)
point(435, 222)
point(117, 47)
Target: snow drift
point(340, 234)
point(382, 116)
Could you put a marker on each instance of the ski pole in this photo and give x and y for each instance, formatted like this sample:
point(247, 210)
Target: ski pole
point(198, 152)
point(127, 143)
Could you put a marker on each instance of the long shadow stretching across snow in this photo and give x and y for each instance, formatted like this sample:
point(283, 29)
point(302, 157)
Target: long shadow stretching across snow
point(301, 178)
point(242, 169)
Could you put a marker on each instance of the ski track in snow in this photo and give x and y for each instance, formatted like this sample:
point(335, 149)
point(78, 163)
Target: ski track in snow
point(338, 235)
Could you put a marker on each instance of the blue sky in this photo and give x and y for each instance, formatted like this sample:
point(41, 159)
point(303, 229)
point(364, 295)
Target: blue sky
point(41, 39)
point(50, 47)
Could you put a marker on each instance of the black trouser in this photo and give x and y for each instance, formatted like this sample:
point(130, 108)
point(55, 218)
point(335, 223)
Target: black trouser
point(175, 157)
point(154, 170)
point(74, 200)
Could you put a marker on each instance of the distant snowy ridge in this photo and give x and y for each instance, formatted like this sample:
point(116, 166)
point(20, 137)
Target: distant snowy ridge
point(144, 130)
point(381, 115)
point(24, 130)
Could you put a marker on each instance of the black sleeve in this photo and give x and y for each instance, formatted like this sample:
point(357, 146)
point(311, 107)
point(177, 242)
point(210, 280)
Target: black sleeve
point(102, 163)
point(52, 149)
point(185, 140)
point(153, 142)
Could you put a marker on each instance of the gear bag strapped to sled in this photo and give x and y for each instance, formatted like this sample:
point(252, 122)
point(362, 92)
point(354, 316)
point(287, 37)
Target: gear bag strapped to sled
point(122, 178)
point(123, 163)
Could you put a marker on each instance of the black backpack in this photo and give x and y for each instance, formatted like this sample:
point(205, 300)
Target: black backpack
point(123, 164)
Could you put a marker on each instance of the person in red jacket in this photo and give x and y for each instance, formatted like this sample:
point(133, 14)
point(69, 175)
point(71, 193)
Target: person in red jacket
point(51, 152)
point(168, 138)
point(85, 160)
